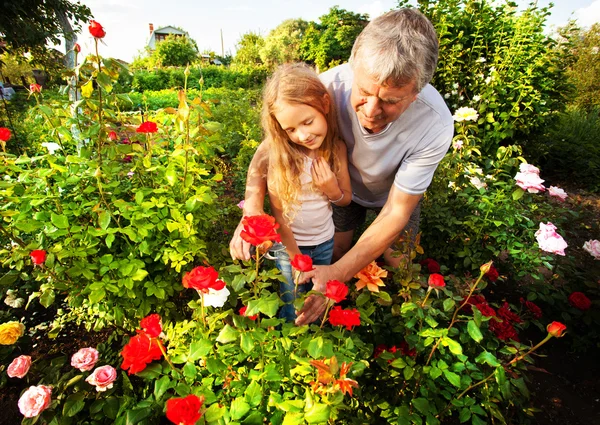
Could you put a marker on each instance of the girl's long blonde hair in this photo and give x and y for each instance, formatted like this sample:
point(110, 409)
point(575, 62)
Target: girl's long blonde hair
point(295, 83)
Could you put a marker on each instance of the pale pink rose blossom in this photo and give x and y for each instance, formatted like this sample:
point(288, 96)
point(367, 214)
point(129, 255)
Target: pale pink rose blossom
point(241, 204)
point(19, 367)
point(35, 400)
point(593, 247)
point(102, 377)
point(530, 182)
point(475, 181)
point(549, 240)
point(457, 144)
point(85, 359)
point(557, 192)
point(528, 168)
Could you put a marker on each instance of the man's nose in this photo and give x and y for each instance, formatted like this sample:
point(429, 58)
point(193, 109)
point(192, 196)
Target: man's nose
point(371, 107)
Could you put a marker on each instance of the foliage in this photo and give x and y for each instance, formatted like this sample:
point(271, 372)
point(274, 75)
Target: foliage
point(14, 69)
point(175, 50)
point(282, 44)
point(329, 42)
point(584, 72)
point(248, 49)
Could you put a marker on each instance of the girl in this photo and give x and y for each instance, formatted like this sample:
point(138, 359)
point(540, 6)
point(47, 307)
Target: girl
point(306, 167)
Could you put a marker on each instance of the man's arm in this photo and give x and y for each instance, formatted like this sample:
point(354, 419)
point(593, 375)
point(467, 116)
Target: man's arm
point(374, 241)
point(256, 189)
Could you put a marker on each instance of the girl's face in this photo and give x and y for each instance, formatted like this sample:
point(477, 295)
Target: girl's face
point(303, 124)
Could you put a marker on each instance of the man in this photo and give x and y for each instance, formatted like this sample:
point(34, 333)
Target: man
point(397, 129)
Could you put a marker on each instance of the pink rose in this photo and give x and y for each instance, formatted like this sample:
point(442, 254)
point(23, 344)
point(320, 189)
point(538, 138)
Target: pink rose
point(593, 247)
point(85, 359)
point(457, 144)
point(530, 182)
point(528, 168)
point(19, 367)
point(35, 400)
point(557, 192)
point(549, 240)
point(102, 377)
point(241, 204)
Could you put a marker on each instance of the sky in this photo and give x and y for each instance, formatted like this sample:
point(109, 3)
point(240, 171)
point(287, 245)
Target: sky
point(127, 21)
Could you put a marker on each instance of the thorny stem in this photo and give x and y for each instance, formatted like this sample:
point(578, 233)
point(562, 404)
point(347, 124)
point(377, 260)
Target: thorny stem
point(164, 353)
point(100, 103)
point(11, 237)
point(325, 315)
point(107, 205)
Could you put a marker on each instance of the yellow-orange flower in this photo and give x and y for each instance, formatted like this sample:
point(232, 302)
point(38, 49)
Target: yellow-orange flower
point(10, 332)
point(370, 277)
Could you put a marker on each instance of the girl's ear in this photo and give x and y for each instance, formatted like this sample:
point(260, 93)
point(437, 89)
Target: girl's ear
point(326, 103)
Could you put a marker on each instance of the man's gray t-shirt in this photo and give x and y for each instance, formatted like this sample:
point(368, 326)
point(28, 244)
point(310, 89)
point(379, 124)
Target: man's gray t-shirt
point(406, 153)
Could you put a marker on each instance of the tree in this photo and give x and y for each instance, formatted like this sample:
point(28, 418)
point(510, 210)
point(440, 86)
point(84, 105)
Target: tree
point(282, 45)
point(584, 72)
point(175, 50)
point(248, 49)
point(329, 42)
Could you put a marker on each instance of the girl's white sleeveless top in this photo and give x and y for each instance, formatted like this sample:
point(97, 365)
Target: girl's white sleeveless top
point(313, 223)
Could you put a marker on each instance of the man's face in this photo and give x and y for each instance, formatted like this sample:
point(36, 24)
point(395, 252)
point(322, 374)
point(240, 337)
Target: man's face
point(376, 105)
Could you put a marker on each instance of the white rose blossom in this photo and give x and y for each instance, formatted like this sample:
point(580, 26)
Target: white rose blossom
point(465, 114)
point(215, 298)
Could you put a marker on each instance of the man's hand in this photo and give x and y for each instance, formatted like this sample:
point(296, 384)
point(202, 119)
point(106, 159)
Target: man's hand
point(239, 249)
point(314, 306)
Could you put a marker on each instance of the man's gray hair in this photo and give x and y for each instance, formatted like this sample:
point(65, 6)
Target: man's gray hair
point(398, 47)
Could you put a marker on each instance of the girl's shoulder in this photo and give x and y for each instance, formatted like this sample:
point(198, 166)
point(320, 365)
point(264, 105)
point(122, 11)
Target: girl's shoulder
point(340, 146)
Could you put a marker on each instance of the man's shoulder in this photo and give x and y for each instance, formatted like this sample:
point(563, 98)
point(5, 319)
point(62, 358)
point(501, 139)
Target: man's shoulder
point(338, 75)
point(431, 100)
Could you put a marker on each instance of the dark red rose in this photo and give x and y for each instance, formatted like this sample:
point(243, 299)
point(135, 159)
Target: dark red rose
point(507, 315)
point(152, 325)
point(336, 291)
point(406, 350)
point(139, 352)
point(503, 330)
point(492, 274)
point(147, 127)
point(77, 48)
point(347, 318)
point(379, 349)
point(202, 278)
point(302, 262)
point(485, 309)
point(436, 280)
point(5, 134)
point(431, 264)
point(243, 313)
point(96, 30)
point(185, 411)
point(38, 256)
point(556, 329)
point(580, 301)
point(535, 310)
point(259, 229)
point(473, 300)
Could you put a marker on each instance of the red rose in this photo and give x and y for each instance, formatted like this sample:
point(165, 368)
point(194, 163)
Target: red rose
point(431, 264)
point(580, 301)
point(259, 229)
point(77, 48)
point(336, 291)
point(112, 136)
point(436, 280)
point(556, 329)
point(533, 308)
point(302, 263)
point(379, 349)
point(503, 330)
point(202, 279)
point(347, 318)
point(152, 325)
point(5, 134)
point(139, 352)
point(485, 309)
point(38, 256)
point(147, 127)
point(96, 30)
point(243, 313)
point(406, 350)
point(505, 314)
point(35, 88)
point(492, 274)
point(184, 411)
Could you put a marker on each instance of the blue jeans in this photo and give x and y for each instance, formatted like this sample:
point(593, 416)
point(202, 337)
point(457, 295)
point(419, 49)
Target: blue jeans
point(320, 254)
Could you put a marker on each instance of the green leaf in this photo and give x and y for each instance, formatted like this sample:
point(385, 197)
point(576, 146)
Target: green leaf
point(315, 347)
point(318, 413)
point(406, 307)
point(255, 418)
point(363, 298)
point(171, 175)
point(59, 220)
point(449, 304)
point(500, 375)
point(227, 334)
point(239, 408)
point(97, 296)
point(199, 349)
point(151, 372)
point(104, 220)
point(476, 420)
point(133, 417)
point(474, 331)
point(465, 415)
point(215, 365)
point(246, 343)
point(452, 377)
point(518, 194)
point(454, 346)
point(47, 298)
point(384, 296)
point(422, 405)
point(73, 405)
point(111, 407)
point(189, 371)
point(398, 363)
point(214, 413)
point(110, 238)
point(489, 358)
point(161, 386)
point(253, 394)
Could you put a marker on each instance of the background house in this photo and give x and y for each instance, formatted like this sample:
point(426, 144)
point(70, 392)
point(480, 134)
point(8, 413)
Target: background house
point(161, 34)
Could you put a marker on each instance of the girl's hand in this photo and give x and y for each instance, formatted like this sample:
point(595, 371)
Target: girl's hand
point(325, 179)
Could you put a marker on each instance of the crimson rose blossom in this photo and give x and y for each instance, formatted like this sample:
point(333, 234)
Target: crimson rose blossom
point(85, 359)
point(580, 301)
point(556, 329)
point(112, 136)
point(152, 325)
point(533, 308)
point(431, 264)
point(102, 378)
point(77, 48)
point(19, 367)
point(147, 127)
point(5, 134)
point(38, 256)
point(185, 411)
point(243, 313)
point(259, 229)
point(492, 274)
point(139, 352)
point(302, 262)
point(347, 318)
point(336, 291)
point(202, 279)
point(35, 400)
point(436, 280)
point(96, 29)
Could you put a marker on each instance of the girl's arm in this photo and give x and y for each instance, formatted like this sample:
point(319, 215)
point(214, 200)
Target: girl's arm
point(336, 187)
point(287, 237)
